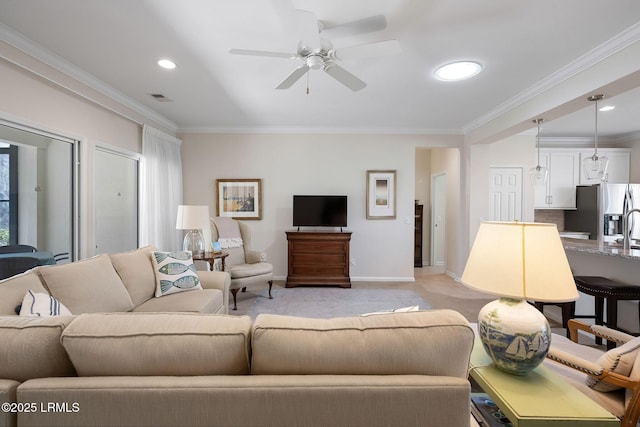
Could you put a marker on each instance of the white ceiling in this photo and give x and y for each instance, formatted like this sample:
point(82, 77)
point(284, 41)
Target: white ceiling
point(519, 43)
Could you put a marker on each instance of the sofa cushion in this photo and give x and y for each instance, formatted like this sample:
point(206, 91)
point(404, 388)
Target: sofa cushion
point(158, 344)
point(175, 272)
point(136, 271)
point(31, 348)
point(250, 270)
point(434, 342)
point(13, 289)
point(43, 305)
point(88, 286)
point(203, 301)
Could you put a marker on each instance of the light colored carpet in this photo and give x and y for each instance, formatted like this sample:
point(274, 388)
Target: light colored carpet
point(323, 302)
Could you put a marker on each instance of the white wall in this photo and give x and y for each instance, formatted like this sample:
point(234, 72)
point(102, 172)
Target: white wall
point(635, 162)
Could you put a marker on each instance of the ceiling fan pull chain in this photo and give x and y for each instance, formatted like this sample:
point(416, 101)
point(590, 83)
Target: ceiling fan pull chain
point(307, 82)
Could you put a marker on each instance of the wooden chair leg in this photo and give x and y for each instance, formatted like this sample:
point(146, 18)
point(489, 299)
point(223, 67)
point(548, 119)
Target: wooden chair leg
point(234, 292)
point(270, 286)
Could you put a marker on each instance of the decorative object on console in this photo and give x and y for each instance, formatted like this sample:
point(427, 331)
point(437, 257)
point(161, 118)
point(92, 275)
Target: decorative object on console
point(239, 198)
point(519, 262)
point(538, 174)
point(381, 194)
point(595, 167)
point(194, 219)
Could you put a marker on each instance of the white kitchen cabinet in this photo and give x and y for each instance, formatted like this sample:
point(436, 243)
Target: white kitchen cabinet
point(619, 163)
point(564, 174)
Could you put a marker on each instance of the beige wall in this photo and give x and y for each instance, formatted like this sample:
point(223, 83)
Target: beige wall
point(31, 100)
point(313, 164)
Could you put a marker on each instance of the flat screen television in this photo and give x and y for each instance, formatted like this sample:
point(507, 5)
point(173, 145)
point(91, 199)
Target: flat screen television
point(319, 211)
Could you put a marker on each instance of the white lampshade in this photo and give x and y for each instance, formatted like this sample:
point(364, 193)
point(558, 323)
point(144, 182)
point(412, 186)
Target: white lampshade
point(520, 260)
point(192, 217)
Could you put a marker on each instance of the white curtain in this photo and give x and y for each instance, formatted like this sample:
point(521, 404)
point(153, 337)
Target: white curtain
point(160, 189)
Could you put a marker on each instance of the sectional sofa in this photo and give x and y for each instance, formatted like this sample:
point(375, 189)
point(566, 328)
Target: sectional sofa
point(158, 366)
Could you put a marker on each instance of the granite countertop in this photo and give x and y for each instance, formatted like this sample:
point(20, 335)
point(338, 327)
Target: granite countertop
point(600, 248)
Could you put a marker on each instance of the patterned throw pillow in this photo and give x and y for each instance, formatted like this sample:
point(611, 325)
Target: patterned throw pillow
point(175, 272)
point(44, 305)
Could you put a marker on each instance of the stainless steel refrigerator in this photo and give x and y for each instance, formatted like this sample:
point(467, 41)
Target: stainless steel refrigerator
point(600, 209)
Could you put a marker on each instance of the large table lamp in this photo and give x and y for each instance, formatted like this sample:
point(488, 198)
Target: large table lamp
point(194, 219)
point(518, 262)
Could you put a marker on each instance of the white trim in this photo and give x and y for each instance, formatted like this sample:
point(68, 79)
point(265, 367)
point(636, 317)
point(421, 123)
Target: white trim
point(316, 131)
point(619, 42)
point(383, 279)
point(37, 51)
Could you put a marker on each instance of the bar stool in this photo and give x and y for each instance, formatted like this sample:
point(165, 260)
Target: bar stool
point(568, 311)
point(613, 291)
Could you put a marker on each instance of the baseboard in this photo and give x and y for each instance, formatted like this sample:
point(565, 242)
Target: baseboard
point(383, 279)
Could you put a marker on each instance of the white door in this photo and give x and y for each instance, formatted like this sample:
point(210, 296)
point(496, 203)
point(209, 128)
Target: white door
point(438, 220)
point(116, 201)
point(505, 191)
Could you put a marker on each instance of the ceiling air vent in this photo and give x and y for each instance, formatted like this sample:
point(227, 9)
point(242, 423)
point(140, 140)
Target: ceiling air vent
point(160, 97)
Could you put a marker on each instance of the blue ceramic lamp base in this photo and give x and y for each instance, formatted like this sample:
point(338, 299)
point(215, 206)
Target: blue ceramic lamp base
point(515, 334)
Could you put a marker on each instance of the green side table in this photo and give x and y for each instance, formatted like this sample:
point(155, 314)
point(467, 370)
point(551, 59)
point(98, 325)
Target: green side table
point(540, 399)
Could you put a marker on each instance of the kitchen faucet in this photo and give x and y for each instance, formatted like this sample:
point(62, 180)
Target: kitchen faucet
point(625, 229)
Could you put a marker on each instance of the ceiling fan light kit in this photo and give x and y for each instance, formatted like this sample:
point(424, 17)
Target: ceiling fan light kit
point(317, 53)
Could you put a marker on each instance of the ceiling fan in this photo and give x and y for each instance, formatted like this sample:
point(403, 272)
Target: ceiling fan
point(316, 52)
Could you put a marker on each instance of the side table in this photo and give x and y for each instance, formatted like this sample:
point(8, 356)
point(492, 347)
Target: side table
point(211, 258)
point(540, 399)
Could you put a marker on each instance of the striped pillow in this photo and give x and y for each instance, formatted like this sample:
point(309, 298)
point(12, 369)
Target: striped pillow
point(44, 305)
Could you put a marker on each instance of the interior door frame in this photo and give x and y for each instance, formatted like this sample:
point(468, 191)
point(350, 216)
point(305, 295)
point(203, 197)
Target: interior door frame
point(435, 200)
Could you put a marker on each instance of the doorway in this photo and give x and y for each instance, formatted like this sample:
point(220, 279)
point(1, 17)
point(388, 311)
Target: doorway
point(438, 220)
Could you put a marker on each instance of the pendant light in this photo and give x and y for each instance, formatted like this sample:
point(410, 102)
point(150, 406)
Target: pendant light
point(595, 167)
point(538, 175)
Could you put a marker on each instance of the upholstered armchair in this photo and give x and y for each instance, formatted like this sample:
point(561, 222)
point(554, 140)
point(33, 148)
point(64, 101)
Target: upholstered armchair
point(611, 378)
point(247, 268)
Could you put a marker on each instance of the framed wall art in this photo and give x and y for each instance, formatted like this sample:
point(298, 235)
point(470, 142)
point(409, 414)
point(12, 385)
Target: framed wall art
point(239, 198)
point(381, 194)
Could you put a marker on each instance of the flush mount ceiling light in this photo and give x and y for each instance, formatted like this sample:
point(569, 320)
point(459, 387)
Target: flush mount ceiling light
point(167, 64)
point(457, 71)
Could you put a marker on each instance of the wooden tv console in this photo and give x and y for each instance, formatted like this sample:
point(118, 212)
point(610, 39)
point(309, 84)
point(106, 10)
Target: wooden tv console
point(318, 258)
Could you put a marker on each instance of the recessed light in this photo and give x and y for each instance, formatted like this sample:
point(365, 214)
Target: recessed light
point(607, 108)
point(167, 63)
point(457, 71)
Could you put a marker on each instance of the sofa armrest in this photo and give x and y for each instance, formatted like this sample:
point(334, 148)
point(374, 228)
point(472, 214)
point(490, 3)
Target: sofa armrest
point(217, 280)
point(252, 257)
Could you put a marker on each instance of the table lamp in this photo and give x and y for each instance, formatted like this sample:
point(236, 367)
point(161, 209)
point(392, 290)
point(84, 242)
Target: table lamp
point(194, 219)
point(518, 262)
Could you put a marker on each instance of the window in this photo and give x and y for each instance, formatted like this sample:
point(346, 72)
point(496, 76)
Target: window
point(8, 195)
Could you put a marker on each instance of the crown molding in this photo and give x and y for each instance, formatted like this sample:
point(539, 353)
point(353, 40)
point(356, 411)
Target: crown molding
point(621, 41)
point(316, 130)
point(45, 56)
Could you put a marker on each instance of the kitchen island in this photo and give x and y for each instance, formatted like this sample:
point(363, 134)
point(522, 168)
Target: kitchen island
point(596, 258)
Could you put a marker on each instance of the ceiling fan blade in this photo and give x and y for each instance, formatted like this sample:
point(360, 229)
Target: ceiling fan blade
point(344, 77)
point(262, 53)
point(307, 29)
point(293, 77)
point(352, 28)
point(368, 50)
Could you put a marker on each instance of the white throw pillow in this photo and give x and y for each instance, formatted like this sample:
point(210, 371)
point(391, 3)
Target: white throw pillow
point(175, 272)
point(397, 310)
point(44, 305)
